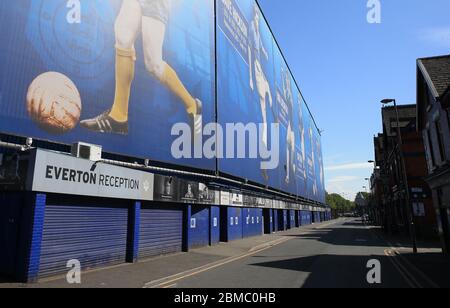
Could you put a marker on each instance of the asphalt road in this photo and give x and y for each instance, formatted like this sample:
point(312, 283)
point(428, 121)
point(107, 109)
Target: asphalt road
point(331, 256)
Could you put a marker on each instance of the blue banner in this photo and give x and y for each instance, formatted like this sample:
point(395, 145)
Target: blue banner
point(255, 85)
point(109, 72)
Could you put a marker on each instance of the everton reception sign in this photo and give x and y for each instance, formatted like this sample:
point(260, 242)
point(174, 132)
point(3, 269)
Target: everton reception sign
point(58, 173)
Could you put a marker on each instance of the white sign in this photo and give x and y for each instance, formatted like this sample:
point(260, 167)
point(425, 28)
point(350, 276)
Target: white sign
point(224, 198)
point(419, 209)
point(237, 199)
point(53, 172)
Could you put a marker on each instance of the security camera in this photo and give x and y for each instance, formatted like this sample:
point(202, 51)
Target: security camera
point(147, 162)
point(29, 142)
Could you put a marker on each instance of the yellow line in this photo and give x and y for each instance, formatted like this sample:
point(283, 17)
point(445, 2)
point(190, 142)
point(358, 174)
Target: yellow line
point(422, 274)
point(165, 284)
point(398, 270)
point(412, 282)
point(418, 271)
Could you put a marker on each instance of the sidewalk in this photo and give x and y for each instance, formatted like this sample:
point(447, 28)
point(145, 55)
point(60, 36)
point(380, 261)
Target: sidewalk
point(427, 269)
point(147, 272)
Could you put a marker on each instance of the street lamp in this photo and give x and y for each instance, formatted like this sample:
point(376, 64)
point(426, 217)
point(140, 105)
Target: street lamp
point(412, 229)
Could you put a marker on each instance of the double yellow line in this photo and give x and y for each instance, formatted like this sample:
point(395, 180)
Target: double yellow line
point(397, 259)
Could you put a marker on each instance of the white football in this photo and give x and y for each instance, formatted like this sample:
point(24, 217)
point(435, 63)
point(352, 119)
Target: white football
point(54, 103)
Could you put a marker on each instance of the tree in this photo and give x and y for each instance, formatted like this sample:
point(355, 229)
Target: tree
point(339, 203)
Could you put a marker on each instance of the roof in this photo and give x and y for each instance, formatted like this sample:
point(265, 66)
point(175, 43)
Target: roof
point(407, 114)
point(436, 71)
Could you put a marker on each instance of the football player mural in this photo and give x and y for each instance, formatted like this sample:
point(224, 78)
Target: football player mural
point(148, 18)
point(124, 74)
point(118, 73)
point(256, 51)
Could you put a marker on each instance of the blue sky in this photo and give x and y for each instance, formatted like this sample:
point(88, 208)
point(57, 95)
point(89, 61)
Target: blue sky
point(345, 66)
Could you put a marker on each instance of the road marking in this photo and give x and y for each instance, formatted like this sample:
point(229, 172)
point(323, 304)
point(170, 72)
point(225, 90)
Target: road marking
point(406, 274)
point(428, 280)
point(168, 281)
point(411, 285)
point(412, 266)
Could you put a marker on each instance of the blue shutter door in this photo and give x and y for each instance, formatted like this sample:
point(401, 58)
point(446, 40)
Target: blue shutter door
point(249, 228)
point(160, 231)
point(199, 227)
point(235, 223)
point(252, 222)
point(259, 222)
point(96, 236)
point(276, 224)
point(291, 219)
point(215, 225)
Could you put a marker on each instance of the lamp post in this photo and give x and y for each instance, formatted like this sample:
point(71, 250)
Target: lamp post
point(412, 229)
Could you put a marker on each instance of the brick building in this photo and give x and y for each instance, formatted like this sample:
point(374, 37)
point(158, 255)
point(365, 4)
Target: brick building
point(388, 184)
point(433, 117)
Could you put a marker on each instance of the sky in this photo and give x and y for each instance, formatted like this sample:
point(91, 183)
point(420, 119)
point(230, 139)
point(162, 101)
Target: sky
point(345, 66)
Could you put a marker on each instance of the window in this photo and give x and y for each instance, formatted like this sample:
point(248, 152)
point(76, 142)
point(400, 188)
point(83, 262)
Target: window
point(419, 209)
point(441, 143)
point(431, 148)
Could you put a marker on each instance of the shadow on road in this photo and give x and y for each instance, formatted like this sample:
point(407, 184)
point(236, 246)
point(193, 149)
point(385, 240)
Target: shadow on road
point(339, 271)
point(434, 265)
point(349, 234)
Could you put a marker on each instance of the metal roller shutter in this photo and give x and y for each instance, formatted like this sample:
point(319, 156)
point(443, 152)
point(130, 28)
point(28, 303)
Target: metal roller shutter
point(96, 236)
point(161, 232)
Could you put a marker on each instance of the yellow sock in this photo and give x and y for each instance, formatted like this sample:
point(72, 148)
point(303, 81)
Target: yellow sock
point(125, 62)
point(170, 80)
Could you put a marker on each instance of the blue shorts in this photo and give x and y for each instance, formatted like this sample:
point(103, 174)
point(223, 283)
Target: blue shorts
point(159, 9)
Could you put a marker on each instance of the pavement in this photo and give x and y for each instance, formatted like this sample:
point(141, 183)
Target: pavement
point(330, 255)
point(430, 267)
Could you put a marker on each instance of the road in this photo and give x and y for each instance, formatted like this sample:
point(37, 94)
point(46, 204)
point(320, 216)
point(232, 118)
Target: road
point(330, 255)
point(333, 256)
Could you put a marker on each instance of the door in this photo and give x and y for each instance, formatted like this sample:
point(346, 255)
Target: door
point(215, 225)
point(161, 231)
point(95, 236)
point(10, 208)
point(199, 227)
